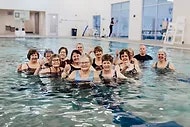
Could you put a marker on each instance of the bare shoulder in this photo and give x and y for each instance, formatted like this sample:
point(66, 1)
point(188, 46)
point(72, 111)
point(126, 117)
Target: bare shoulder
point(72, 76)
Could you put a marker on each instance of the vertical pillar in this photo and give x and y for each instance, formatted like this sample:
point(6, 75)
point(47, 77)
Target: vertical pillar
point(135, 19)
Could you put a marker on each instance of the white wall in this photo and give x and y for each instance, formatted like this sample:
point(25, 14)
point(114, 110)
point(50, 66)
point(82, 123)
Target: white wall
point(181, 8)
point(79, 13)
point(71, 13)
point(135, 19)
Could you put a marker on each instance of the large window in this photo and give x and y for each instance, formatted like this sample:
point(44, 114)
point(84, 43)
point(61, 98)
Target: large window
point(120, 12)
point(155, 12)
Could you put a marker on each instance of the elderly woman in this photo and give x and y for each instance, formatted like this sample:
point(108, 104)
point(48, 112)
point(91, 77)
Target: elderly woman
point(162, 64)
point(85, 73)
point(45, 62)
point(74, 64)
point(108, 74)
point(54, 70)
point(63, 52)
point(131, 56)
point(30, 67)
point(126, 67)
point(97, 61)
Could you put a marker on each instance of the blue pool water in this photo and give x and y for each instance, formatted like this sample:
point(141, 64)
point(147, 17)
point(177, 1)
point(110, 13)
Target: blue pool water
point(34, 102)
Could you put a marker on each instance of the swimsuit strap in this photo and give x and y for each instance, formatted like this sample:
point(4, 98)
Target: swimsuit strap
point(100, 75)
point(28, 66)
point(115, 75)
point(50, 70)
point(156, 65)
point(168, 65)
point(120, 66)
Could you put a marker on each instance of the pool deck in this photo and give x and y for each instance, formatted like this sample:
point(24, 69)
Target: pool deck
point(147, 42)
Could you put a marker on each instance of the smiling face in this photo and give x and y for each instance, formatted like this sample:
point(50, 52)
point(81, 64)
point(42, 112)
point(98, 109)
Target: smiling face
point(75, 57)
point(34, 57)
point(125, 57)
point(107, 61)
point(63, 54)
point(48, 56)
point(55, 62)
point(98, 54)
point(85, 63)
point(161, 56)
point(142, 50)
point(106, 65)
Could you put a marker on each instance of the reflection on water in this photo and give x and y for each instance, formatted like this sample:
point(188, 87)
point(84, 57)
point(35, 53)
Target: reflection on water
point(34, 101)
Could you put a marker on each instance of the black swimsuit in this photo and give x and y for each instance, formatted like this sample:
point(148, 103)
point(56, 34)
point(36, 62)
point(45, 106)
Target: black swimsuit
point(96, 67)
point(108, 81)
point(29, 70)
point(130, 73)
point(56, 74)
point(162, 70)
point(73, 68)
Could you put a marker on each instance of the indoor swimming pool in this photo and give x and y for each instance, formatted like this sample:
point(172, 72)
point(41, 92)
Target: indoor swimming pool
point(33, 102)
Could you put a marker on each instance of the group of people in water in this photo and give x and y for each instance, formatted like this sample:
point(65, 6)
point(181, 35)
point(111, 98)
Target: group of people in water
point(81, 67)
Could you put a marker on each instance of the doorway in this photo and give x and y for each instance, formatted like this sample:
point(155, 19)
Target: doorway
point(53, 24)
point(37, 23)
point(96, 25)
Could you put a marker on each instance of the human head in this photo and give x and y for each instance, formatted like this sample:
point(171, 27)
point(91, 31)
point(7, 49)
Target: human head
point(107, 61)
point(112, 18)
point(75, 56)
point(80, 47)
point(98, 51)
point(124, 55)
point(85, 62)
point(48, 53)
point(162, 55)
point(31, 53)
point(107, 57)
point(55, 60)
point(63, 52)
point(131, 52)
point(142, 50)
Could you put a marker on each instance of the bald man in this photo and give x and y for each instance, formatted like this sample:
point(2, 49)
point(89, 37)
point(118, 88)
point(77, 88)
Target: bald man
point(142, 56)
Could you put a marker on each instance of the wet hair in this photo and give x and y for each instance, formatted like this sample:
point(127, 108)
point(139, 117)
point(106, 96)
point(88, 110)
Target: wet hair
point(48, 51)
point(123, 51)
point(74, 51)
point(107, 57)
point(98, 48)
point(66, 50)
point(31, 52)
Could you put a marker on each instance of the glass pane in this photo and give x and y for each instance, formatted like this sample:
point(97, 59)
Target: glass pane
point(149, 2)
point(155, 17)
point(121, 18)
point(165, 1)
point(165, 12)
point(96, 24)
point(149, 20)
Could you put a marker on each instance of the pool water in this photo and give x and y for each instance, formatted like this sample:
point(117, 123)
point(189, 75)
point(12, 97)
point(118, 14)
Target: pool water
point(30, 101)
